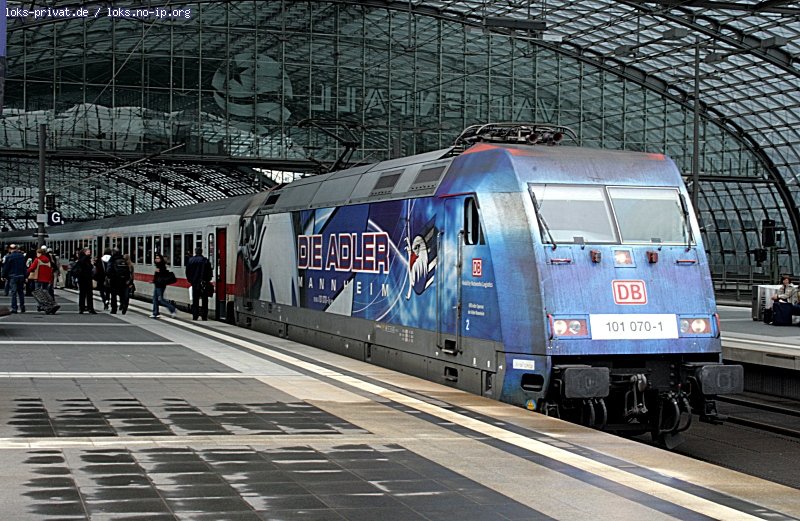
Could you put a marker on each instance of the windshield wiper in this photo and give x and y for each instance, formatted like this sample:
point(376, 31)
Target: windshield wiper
point(687, 222)
point(543, 228)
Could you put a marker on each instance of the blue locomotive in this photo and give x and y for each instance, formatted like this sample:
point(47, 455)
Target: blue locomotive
point(567, 280)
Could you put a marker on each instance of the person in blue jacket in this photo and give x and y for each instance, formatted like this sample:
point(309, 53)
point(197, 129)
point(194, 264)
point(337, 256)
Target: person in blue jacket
point(15, 271)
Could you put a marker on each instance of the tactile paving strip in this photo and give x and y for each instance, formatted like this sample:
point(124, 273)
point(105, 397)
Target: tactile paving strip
point(349, 482)
point(80, 417)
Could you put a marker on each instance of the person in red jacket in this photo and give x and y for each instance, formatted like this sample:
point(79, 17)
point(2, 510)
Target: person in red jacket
point(42, 273)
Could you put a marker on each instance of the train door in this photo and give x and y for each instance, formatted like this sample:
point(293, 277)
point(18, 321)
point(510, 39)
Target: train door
point(221, 267)
point(449, 279)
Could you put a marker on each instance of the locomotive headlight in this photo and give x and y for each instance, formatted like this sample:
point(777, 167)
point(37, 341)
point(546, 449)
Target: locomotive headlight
point(623, 258)
point(574, 327)
point(570, 327)
point(691, 326)
point(700, 325)
point(560, 327)
point(684, 326)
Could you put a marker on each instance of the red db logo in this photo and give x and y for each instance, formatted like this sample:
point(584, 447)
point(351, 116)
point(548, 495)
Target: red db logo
point(629, 291)
point(477, 268)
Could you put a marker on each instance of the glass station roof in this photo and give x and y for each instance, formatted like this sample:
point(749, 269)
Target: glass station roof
point(735, 62)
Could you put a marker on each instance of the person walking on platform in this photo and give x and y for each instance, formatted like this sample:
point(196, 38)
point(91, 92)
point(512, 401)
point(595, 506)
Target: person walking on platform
point(120, 279)
point(198, 273)
point(83, 270)
point(6, 283)
point(41, 272)
point(132, 269)
point(29, 284)
point(71, 278)
point(56, 270)
point(14, 271)
point(100, 269)
point(161, 279)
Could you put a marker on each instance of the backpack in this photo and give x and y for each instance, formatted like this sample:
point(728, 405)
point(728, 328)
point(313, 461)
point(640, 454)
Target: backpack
point(121, 270)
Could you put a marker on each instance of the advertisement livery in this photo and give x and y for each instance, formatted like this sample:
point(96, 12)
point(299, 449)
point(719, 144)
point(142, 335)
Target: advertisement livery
point(567, 280)
point(377, 261)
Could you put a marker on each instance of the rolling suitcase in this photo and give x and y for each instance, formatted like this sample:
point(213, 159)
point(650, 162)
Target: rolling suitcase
point(781, 314)
point(45, 301)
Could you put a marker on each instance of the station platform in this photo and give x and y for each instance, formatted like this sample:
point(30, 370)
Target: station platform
point(745, 340)
point(125, 417)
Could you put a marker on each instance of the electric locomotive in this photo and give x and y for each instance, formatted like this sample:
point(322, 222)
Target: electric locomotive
point(568, 280)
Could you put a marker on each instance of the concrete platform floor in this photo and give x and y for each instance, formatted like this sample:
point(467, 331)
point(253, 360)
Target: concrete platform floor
point(125, 417)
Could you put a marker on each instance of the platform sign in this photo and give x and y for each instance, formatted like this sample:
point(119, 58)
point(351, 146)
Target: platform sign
point(54, 218)
point(2, 51)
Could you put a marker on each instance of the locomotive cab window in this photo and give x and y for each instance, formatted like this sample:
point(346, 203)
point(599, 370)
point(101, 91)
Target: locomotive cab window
point(473, 232)
point(571, 214)
point(650, 215)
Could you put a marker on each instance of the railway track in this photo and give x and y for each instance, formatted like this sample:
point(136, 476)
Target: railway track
point(770, 426)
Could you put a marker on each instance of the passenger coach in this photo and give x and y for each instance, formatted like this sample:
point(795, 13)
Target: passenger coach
point(174, 233)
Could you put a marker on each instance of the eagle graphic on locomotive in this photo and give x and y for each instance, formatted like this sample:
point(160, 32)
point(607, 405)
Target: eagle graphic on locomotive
point(571, 281)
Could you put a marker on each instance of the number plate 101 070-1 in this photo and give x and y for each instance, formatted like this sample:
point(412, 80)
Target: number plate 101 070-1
point(633, 326)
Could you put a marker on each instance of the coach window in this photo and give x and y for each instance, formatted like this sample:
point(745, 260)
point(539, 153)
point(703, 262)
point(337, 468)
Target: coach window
point(188, 242)
point(124, 249)
point(211, 251)
point(157, 246)
point(148, 250)
point(198, 243)
point(177, 250)
point(473, 232)
point(140, 250)
point(166, 249)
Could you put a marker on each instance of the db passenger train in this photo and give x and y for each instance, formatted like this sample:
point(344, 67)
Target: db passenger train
point(570, 281)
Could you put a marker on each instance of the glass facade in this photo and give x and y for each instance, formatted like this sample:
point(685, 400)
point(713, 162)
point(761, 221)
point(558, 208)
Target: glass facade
point(224, 94)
